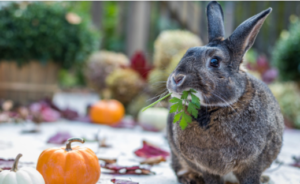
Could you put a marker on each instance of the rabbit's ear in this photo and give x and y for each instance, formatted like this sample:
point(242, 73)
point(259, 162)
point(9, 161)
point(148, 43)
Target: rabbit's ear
point(215, 20)
point(244, 35)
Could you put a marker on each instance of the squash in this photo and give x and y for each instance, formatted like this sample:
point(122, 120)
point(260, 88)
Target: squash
point(154, 117)
point(108, 112)
point(25, 175)
point(67, 165)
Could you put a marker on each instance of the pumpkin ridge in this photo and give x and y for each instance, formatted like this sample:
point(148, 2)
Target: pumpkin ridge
point(89, 156)
point(86, 174)
point(25, 173)
point(53, 157)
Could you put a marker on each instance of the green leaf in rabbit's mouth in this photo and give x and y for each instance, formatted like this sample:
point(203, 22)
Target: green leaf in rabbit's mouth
point(179, 107)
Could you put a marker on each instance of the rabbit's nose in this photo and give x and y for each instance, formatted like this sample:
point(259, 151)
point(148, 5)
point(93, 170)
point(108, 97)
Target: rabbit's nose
point(178, 79)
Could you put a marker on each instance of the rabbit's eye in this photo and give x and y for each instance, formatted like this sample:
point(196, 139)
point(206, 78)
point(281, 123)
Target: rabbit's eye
point(214, 62)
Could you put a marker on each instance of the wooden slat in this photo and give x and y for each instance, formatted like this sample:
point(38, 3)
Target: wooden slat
point(27, 83)
point(24, 87)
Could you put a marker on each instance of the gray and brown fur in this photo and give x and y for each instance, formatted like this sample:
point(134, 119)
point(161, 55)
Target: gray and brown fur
point(239, 126)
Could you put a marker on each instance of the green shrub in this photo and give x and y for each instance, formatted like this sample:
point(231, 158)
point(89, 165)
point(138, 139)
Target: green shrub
point(42, 31)
point(286, 55)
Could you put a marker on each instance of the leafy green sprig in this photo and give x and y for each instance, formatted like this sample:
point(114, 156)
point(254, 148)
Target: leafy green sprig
point(183, 113)
point(179, 108)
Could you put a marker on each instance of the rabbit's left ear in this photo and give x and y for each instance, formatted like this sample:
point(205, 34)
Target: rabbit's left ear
point(244, 35)
point(215, 20)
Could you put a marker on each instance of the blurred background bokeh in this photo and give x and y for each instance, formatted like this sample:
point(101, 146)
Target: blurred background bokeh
point(56, 56)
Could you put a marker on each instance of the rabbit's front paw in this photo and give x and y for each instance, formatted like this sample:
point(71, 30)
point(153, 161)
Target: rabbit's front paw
point(191, 178)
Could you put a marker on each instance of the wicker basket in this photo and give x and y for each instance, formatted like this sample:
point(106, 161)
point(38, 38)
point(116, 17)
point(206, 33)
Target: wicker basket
point(30, 82)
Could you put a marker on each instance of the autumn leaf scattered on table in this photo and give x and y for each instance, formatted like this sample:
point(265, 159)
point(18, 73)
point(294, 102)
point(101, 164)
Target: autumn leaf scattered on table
point(126, 170)
point(118, 181)
point(108, 161)
point(154, 160)
point(148, 150)
point(59, 138)
point(296, 162)
point(103, 144)
point(6, 164)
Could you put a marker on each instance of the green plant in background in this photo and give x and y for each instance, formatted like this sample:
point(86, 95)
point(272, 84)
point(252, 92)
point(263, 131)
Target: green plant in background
point(286, 55)
point(288, 98)
point(45, 32)
point(112, 40)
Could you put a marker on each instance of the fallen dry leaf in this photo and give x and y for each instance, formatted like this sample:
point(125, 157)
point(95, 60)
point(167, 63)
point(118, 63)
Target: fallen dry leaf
point(154, 160)
point(102, 143)
point(296, 161)
point(126, 170)
point(108, 161)
point(118, 181)
point(59, 138)
point(149, 150)
point(6, 164)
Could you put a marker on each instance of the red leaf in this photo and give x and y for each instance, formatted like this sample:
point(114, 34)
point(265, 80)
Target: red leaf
point(139, 64)
point(296, 162)
point(149, 150)
point(6, 164)
point(118, 181)
point(59, 138)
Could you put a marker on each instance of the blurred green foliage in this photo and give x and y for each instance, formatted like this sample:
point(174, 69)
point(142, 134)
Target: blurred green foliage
point(286, 55)
point(41, 31)
point(113, 40)
point(288, 98)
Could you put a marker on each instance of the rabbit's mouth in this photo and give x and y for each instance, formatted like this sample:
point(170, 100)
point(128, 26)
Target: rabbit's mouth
point(178, 95)
point(203, 99)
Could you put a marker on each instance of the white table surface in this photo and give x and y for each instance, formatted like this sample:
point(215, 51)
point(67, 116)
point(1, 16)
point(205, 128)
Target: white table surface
point(124, 142)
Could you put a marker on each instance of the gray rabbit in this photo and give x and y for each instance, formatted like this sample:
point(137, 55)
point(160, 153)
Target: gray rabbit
point(239, 126)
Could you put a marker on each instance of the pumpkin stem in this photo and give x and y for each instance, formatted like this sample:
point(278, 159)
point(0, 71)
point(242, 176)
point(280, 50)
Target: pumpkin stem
point(15, 166)
point(68, 146)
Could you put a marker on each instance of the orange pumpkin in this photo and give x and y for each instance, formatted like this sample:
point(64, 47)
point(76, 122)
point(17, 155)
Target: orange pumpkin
point(68, 165)
point(107, 112)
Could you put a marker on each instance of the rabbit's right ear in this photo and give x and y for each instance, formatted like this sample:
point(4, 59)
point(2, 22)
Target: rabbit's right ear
point(215, 20)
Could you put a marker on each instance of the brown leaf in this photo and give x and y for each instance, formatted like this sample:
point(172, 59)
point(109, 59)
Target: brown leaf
point(154, 160)
point(126, 170)
point(108, 161)
point(118, 181)
point(102, 143)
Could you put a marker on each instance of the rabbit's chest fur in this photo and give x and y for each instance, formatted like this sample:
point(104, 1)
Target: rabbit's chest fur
point(225, 138)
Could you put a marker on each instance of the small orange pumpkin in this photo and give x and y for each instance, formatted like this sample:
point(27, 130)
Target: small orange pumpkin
point(107, 112)
point(68, 165)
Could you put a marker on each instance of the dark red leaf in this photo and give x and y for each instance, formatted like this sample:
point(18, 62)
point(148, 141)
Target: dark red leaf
point(262, 64)
point(118, 181)
point(59, 138)
point(139, 64)
point(148, 150)
point(69, 114)
point(6, 164)
point(296, 162)
point(44, 111)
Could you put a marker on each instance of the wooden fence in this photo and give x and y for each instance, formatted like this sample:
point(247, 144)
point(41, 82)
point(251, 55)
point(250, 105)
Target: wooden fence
point(139, 20)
